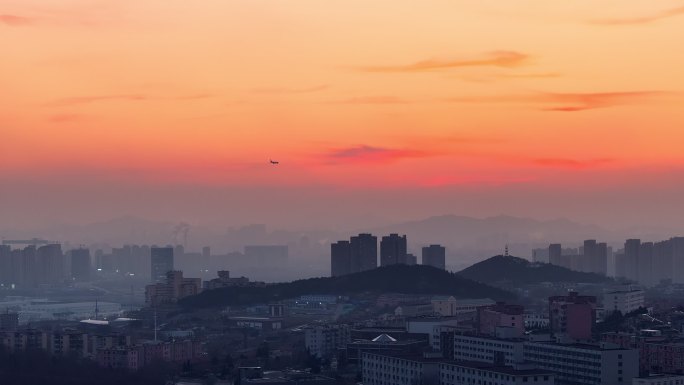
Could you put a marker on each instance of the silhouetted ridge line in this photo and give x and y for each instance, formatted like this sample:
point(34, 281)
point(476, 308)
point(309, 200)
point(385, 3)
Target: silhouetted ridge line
point(405, 279)
point(521, 271)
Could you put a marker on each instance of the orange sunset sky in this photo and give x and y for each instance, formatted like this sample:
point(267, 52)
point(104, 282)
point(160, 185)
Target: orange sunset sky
point(377, 110)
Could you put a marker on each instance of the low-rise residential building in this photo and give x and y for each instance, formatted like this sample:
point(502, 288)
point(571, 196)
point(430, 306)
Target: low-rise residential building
point(583, 364)
point(449, 306)
point(491, 317)
point(431, 326)
point(464, 372)
point(388, 369)
point(659, 379)
point(662, 356)
point(68, 342)
point(488, 349)
point(657, 353)
point(323, 341)
point(137, 356)
point(572, 316)
point(120, 357)
point(175, 288)
point(107, 341)
point(24, 339)
point(624, 300)
point(225, 280)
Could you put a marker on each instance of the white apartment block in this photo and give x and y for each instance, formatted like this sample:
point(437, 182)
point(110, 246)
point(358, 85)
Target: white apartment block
point(624, 301)
point(380, 369)
point(488, 349)
point(471, 373)
point(579, 364)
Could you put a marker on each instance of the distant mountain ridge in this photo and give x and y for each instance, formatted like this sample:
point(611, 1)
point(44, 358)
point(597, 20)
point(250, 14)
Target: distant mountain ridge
point(417, 279)
point(450, 227)
point(520, 271)
point(469, 239)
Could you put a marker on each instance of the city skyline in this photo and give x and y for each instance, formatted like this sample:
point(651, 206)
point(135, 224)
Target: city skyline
point(306, 192)
point(476, 109)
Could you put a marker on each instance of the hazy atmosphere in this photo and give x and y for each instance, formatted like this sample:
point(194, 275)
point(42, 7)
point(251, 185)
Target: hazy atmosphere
point(327, 192)
point(170, 111)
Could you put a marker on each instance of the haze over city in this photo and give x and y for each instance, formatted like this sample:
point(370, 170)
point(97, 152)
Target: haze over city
point(307, 192)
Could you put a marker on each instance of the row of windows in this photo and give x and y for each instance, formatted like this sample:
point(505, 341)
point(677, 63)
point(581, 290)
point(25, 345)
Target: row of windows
point(468, 341)
point(460, 380)
point(390, 369)
point(563, 352)
point(558, 366)
point(576, 363)
point(480, 373)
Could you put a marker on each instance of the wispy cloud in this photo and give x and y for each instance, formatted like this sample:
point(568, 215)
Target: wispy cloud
point(98, 98)
point(507, 59)
point(568, 102)
point(571, 163)
point(65, 118)
point(372, 100)
point(14, 20)
point(456, 139)
point(372, 154)
point(641, 19)
point(290, 90)
point(542, 75)
point(190, 97)
point(124, 97)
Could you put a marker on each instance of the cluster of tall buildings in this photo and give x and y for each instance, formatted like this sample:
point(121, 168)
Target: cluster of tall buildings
point(592, 257)
point(360, 253)
point(648, 263)
point(128, 259)
point(37, 265)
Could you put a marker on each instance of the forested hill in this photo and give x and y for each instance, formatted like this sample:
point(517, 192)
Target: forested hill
point(415, 279)
point(521, 271)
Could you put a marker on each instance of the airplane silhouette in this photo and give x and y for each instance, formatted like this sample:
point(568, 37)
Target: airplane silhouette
point(273, 161)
